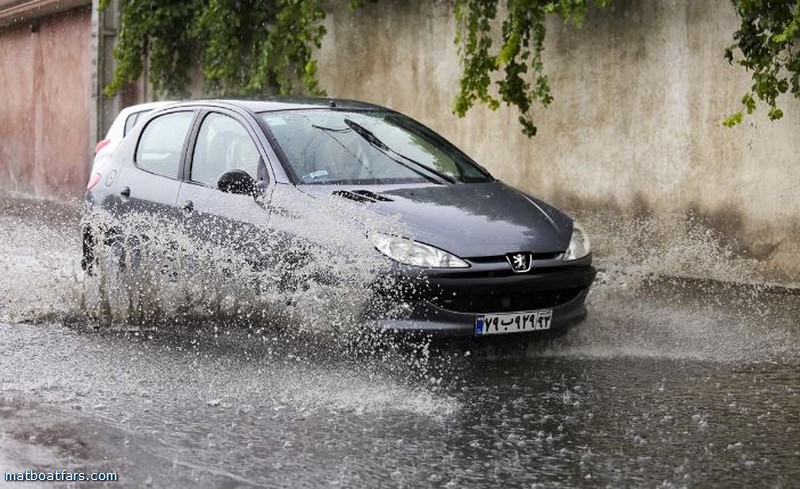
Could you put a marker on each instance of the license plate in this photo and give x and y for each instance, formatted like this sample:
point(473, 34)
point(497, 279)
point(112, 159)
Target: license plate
point(514, 322)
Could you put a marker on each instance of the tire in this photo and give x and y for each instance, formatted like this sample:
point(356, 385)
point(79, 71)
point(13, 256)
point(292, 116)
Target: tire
point(89, 257)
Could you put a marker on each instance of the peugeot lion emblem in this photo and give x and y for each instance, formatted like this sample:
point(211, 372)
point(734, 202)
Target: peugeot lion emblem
point(520, 262)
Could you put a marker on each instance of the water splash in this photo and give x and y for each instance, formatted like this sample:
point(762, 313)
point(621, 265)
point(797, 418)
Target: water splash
point(306, 273)
point(630, 249)
point(38, 261)
point(637, 306)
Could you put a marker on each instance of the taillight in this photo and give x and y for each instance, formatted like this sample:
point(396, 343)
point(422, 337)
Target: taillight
point(100, 145)
point(93, 181)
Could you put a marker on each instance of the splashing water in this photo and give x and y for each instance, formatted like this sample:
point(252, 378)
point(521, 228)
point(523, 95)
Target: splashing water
point(39, 265)
point(315, 271)
point(670, 287)
point(637, 307)
point(632, 249)
point(304, 306)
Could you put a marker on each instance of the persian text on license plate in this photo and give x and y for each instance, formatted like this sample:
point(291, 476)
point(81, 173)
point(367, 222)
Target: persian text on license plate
point(514, 322)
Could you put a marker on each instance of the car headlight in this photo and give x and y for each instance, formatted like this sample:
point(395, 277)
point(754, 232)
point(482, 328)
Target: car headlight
point(414, 253)
point(579, 245)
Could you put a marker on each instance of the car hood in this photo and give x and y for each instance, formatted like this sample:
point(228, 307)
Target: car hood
point(469, 220)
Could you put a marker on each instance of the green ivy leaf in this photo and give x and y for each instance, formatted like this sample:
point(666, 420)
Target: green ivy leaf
point(775, 114)
point(749, 103)
point(733, 119)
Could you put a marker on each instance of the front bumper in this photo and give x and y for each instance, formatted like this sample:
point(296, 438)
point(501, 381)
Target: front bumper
point(448, 304)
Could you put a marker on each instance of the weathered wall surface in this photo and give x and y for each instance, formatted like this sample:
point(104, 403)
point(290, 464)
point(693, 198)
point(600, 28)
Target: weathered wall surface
point(45, 104)
point(640, 93)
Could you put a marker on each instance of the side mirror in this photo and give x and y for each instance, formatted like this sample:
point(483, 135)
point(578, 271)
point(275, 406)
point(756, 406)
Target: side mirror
point(237, 182)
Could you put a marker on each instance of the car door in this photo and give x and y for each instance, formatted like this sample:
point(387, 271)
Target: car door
point(224, 142)
point(149, 184)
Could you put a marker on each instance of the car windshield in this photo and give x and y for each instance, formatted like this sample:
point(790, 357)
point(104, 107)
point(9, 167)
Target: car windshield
point(331, 146)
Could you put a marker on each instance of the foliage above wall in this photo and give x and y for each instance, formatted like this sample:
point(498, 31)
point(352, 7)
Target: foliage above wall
point(516, 67)
point(258, 47)
point(244, 47)
point(769, 41)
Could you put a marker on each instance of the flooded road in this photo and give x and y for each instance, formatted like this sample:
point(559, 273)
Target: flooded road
point(669, 383)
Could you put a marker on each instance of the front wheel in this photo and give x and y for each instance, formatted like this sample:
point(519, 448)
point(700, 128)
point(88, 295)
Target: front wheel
point(118, 251)
point(89, 257)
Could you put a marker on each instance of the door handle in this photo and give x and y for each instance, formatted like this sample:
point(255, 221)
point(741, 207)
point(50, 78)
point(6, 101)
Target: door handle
point(125, 192)
point(188, 206)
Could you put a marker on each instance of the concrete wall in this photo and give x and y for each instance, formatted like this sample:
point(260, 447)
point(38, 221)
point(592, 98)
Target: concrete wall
point(640, 93)
point(45, 104)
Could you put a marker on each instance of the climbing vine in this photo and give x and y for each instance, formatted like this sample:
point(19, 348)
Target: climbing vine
point(243, 47)
point(515, 68)
point(768, 40)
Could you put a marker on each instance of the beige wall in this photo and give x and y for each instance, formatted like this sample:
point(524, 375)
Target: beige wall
point(639, 93)
point(45, 104)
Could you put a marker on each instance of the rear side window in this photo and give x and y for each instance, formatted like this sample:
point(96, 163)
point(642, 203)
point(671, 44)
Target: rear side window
point(131, 121)
point(161, 143)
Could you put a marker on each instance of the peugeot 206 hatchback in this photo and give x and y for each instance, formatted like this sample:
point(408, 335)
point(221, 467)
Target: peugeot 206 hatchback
point(484, 258)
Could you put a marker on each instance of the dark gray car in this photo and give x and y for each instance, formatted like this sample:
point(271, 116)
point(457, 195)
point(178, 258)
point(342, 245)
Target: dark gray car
point(473, 256)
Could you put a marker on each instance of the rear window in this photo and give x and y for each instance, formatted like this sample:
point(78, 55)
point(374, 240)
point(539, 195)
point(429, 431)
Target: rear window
point(132, 120)
point(161, 143)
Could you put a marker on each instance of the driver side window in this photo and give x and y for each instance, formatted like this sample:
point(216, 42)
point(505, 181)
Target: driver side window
point(223, 145)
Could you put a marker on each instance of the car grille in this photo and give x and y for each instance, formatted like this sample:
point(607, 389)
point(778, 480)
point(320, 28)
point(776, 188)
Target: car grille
point(550, 255)
point(490, 302)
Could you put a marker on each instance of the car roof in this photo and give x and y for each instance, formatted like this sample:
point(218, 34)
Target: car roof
point(144, 107)
point(273, 104)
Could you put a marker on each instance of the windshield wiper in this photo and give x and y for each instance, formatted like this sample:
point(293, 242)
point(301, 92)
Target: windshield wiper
point(329, 129)
point(372, 139)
